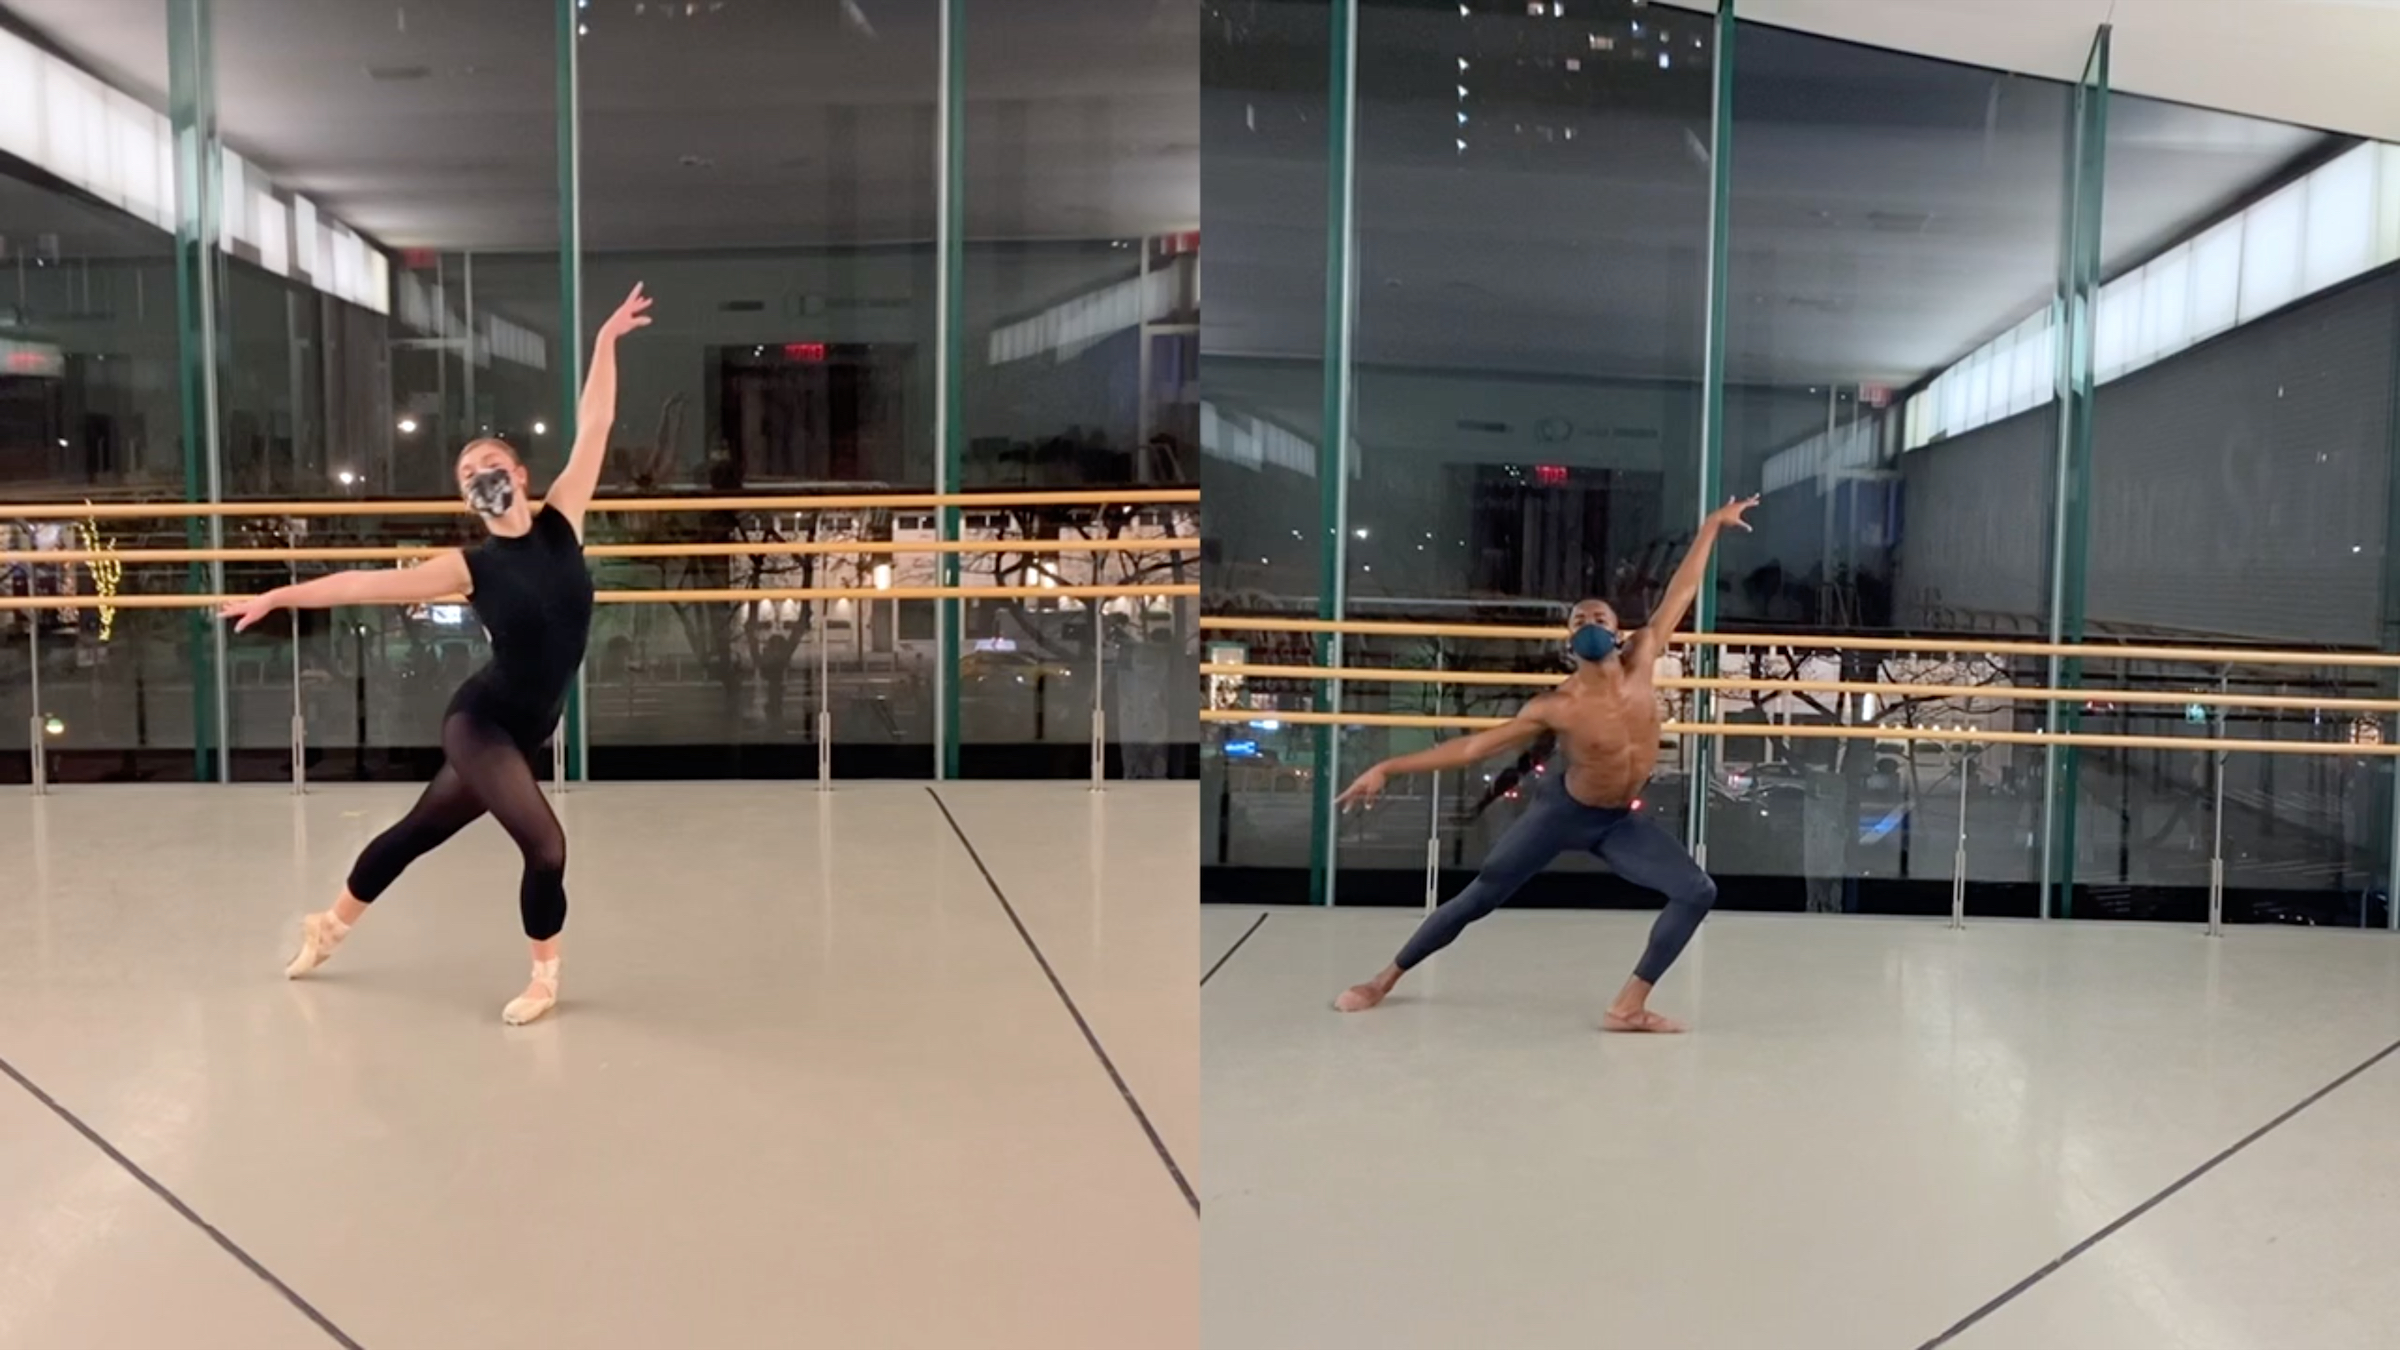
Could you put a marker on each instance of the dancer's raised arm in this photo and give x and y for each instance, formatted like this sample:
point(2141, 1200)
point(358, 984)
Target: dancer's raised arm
point(1684, 587)
point(595, 414)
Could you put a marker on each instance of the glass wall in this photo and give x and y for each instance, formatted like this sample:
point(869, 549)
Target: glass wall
point(2012, 362)
point(2242, 438)
point(296, 253)
point(1885, 212)
point(326, 396)
point(89, 411)
point(772, 367)
point(1265, 70)
point(1079, 296)
point(1527, 348)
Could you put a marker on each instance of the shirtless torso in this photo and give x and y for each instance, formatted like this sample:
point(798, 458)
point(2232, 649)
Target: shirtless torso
point(1605, 717)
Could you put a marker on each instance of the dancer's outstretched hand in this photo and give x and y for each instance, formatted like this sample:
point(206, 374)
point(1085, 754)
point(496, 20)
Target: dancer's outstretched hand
point(247, 612)
point(1369, 786)
point(1731, 512)
point(634, 313)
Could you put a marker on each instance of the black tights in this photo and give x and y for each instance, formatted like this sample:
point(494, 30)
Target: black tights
point(483, 770)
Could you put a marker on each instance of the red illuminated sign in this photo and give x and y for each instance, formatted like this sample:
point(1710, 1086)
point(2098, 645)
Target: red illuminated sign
point(39, 360)
point(811, 352)
point(1550, 475)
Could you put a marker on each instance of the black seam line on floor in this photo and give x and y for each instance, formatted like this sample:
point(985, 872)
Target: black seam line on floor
point(1090, 1038)
point(2154, 1201)
point(1229, 951)
point(250, 1263)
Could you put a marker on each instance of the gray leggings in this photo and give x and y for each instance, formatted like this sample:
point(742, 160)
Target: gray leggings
point(1634, 848)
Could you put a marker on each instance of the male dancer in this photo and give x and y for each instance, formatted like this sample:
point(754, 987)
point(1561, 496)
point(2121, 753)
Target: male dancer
point(1605, 716)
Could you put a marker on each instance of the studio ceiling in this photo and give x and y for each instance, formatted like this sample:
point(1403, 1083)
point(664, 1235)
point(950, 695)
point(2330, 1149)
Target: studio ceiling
point(2320, 63)
point(717, 124)
point(1889, 212)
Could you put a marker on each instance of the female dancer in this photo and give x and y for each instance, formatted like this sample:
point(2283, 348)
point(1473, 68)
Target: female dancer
point(530, 588)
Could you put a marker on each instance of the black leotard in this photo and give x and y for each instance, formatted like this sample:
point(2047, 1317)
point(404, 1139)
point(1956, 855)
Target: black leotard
point(534, 596)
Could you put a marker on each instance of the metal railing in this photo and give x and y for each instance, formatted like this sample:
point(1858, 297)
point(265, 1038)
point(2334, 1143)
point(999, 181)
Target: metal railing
point(2218, 746)
point(291, 557)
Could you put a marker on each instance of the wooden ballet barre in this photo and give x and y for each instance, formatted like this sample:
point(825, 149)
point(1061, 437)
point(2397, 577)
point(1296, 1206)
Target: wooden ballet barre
point(1223, 623)
point(1804, 731)
point(738, 596)
point(660, 596)
point(2087, 651)
point(1384, 674)
point(1172, 544)
point(1995, 692)
point(412, 552)
point(900, 501)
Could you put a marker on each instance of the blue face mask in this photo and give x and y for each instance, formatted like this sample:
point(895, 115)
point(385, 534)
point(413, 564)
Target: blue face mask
point(1593, 642)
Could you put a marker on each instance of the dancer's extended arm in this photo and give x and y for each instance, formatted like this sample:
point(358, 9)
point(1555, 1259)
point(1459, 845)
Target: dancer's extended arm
point(1458, 752)
point(1684, 587)
point(442, 575)
point(595, 413)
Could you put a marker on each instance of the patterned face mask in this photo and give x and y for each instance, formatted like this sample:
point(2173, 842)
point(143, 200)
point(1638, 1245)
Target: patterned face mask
point(492, 493)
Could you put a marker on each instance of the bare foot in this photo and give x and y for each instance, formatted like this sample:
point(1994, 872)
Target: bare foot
point(1639, 1020)
point(1359, 998)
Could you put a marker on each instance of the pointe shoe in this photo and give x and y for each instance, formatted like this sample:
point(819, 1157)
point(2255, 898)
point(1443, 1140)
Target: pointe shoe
point(320, 933)
point(540, 997)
